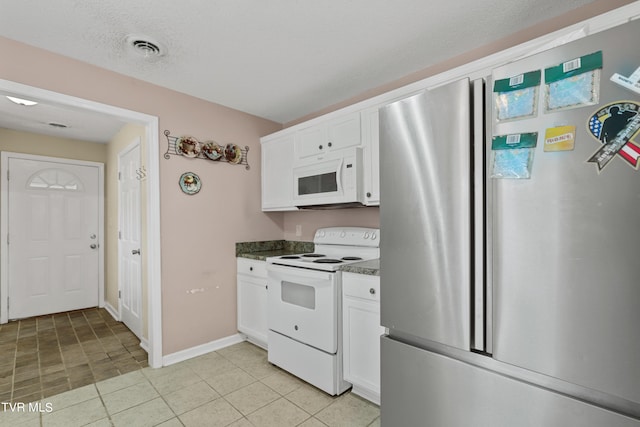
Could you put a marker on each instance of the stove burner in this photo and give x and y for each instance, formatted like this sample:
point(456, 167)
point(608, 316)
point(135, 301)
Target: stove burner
point(328, 261)
point(290, 257)
point(351, 258)
point(313, 255)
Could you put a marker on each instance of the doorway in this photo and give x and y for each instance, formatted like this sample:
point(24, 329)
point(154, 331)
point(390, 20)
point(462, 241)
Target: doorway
point(152, 200)
point(55, 248)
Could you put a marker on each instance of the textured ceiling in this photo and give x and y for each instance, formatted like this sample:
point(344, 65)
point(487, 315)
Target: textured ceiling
point(277, 59)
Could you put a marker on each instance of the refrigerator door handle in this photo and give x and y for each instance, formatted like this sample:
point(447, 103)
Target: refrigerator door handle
point(481, 332)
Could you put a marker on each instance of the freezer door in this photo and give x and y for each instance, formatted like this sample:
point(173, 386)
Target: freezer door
point(566, 243)
point(422, 388)
point(425, 215)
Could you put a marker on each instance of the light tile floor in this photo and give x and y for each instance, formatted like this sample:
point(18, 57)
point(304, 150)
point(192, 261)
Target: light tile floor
point(235, 386)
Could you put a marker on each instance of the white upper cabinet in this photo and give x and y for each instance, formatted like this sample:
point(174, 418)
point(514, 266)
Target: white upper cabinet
point(335, 134)
point(306, 144)
point(277, 173)
point(370, 142)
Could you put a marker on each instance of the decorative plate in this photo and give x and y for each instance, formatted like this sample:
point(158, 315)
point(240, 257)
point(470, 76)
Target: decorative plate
point(188, 146)
point(190, 183)
point(212, 150)
point(232, 153)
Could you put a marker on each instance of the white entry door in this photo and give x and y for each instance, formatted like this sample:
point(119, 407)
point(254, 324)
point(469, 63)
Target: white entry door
point(53, 235)
point(130, 264)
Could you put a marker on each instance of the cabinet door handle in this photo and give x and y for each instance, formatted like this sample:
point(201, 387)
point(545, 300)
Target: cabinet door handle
point(329, 144)
point(250, 268)
point(372, 291)
point(319, 147)
point(368, 194)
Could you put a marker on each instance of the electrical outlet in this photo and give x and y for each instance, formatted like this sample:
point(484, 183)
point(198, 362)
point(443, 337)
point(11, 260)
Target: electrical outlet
point(298, 230)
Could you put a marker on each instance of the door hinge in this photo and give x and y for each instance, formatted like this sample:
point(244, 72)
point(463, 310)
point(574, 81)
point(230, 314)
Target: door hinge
point(119, 176)
point(7, 174)
point(7, 238)
point(120, 294)
point(120, 235)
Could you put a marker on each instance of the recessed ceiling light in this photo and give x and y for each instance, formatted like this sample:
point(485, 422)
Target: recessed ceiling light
point(58, 125)
point(21, 101)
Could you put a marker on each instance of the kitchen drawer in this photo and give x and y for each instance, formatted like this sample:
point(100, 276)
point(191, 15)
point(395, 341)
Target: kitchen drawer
point(361, 286)
point(252, 267)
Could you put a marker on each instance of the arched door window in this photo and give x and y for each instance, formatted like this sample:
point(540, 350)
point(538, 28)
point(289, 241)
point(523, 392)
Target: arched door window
point(54, 179)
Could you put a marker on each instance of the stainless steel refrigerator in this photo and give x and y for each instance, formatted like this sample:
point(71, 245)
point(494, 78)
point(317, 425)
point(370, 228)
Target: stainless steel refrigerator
point(510, 254)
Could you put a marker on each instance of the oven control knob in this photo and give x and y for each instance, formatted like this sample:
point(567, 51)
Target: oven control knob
point(343, 234)
point(295, 327)
point(373, 236)
point(366, 235)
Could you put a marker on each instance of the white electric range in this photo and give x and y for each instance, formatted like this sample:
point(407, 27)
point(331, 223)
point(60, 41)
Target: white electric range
point(305, 305)
point(334, 248)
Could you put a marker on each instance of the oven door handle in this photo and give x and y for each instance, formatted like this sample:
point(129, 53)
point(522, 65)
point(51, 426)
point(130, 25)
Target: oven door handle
point(282, 272)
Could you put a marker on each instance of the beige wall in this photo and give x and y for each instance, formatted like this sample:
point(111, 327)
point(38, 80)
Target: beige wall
point(42, 145)
point(309, 221)
point(126, 136)
point(198, 233)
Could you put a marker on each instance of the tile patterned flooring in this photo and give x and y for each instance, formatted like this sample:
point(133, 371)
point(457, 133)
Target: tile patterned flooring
point(235, 386)
point(46, 355)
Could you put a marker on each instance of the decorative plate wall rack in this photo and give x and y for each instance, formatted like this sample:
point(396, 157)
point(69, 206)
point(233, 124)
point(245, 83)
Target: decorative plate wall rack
point(190, 147)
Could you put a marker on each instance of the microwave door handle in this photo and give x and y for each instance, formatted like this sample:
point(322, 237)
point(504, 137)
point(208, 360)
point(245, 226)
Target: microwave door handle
point(339, 175)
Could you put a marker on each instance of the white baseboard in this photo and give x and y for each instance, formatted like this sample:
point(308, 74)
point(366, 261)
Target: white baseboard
point(112, 311)
point(144, 343)
point(199, 350)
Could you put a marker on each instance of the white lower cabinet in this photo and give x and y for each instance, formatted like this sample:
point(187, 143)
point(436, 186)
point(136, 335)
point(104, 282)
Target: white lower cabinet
point(361, 333)
point(252, 300)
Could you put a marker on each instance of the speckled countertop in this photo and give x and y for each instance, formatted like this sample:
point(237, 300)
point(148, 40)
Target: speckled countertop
point(370, 267)
point(261, 250)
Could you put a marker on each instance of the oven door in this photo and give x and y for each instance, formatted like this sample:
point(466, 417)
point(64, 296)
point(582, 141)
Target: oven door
point(303, 305)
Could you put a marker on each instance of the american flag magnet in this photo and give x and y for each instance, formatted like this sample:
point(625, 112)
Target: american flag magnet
point(615, 126)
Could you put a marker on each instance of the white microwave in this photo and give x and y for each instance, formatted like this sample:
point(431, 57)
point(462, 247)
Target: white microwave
point(333, 181)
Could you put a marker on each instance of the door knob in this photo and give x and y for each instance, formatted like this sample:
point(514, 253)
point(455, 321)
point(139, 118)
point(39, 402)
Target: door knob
point(93, 246)
point(135, 252)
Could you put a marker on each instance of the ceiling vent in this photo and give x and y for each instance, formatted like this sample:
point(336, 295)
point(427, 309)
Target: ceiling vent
point(144, 46)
